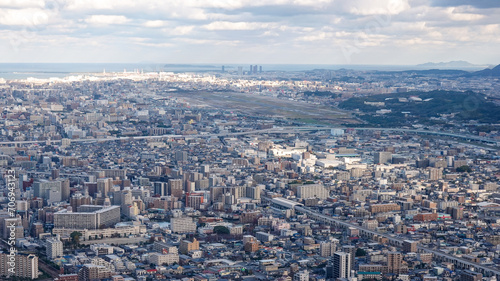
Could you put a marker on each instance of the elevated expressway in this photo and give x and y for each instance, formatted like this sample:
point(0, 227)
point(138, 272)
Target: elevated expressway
point(398, 242)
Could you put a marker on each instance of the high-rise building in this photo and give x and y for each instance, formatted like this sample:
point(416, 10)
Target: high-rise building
point(312, 191)
point(54, 248)
point(26, 265)
point(187, 246)
point(457, 213)
point(175, 187)
point(382, 157)
point(410, 246)
point(104, 186)
point(341, 265)
point(88, 216)
point(351, 250)
point(51, 191)
point(182, 225)
point(394, 260)
point(160, 188)
point(91, 272)
point(253, 192)
point(435, 174)
point(181, 156)
point(327, 249)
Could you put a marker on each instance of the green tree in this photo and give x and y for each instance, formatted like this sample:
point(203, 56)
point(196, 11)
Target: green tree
point(221, 230)
point(360, 252)
point(464, 168)
point(75, 237)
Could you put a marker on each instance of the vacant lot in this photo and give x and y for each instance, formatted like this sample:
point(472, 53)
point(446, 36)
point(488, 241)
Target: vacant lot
point(267, 106)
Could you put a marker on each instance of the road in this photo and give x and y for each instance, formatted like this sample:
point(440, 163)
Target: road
point(278, 130)
point(459, 262)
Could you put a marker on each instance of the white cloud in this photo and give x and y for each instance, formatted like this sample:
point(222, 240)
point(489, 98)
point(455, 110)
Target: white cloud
point(155, 23)
point(18, 4)
point(106, 19)
point(380, 7)
point(226, 25)
point(24, 17)
point(457, 16)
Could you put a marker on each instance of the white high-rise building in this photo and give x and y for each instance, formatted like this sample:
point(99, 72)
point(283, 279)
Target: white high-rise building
point(311, 191)
point(54, 248)
point(341, 265)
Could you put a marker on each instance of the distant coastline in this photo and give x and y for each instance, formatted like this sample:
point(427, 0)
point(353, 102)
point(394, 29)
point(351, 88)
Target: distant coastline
point(10, 71)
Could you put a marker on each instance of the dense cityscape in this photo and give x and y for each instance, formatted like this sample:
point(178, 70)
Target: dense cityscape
point(250, 174)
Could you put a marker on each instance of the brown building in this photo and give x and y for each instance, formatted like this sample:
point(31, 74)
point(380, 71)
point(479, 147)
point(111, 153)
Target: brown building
point(457, 213)
point(426, 217)
point(251, 247)
point(468, 275)
point(90, 272)
point(410, 246)
point(26, 266)
point(187, 246)
point(395, 263)
point(382, 208)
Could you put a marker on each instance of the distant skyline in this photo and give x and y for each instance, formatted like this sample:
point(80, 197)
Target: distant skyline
point(384, 32)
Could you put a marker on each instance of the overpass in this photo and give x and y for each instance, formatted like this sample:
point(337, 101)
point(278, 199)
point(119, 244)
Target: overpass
point(398, 242)
point(278, 130)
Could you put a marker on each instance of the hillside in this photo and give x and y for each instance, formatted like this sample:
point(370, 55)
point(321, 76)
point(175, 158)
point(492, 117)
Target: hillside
point(495, 72)
point(436, 107)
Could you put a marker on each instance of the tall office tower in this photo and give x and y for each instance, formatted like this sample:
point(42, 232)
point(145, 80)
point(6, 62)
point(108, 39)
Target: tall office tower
point(260, 69)
point(181, 156)
point(341, 265)
point(240, 70)
point(175, 187)
point(394, 260)
point(160, 188)
point(251, 69)
point(255, 69)
point(222, 68)
point(382, 157)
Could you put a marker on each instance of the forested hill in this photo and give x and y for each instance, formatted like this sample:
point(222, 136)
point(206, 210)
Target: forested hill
point(424, 107)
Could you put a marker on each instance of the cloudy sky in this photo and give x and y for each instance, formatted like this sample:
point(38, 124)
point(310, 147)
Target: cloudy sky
point(393, 32)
